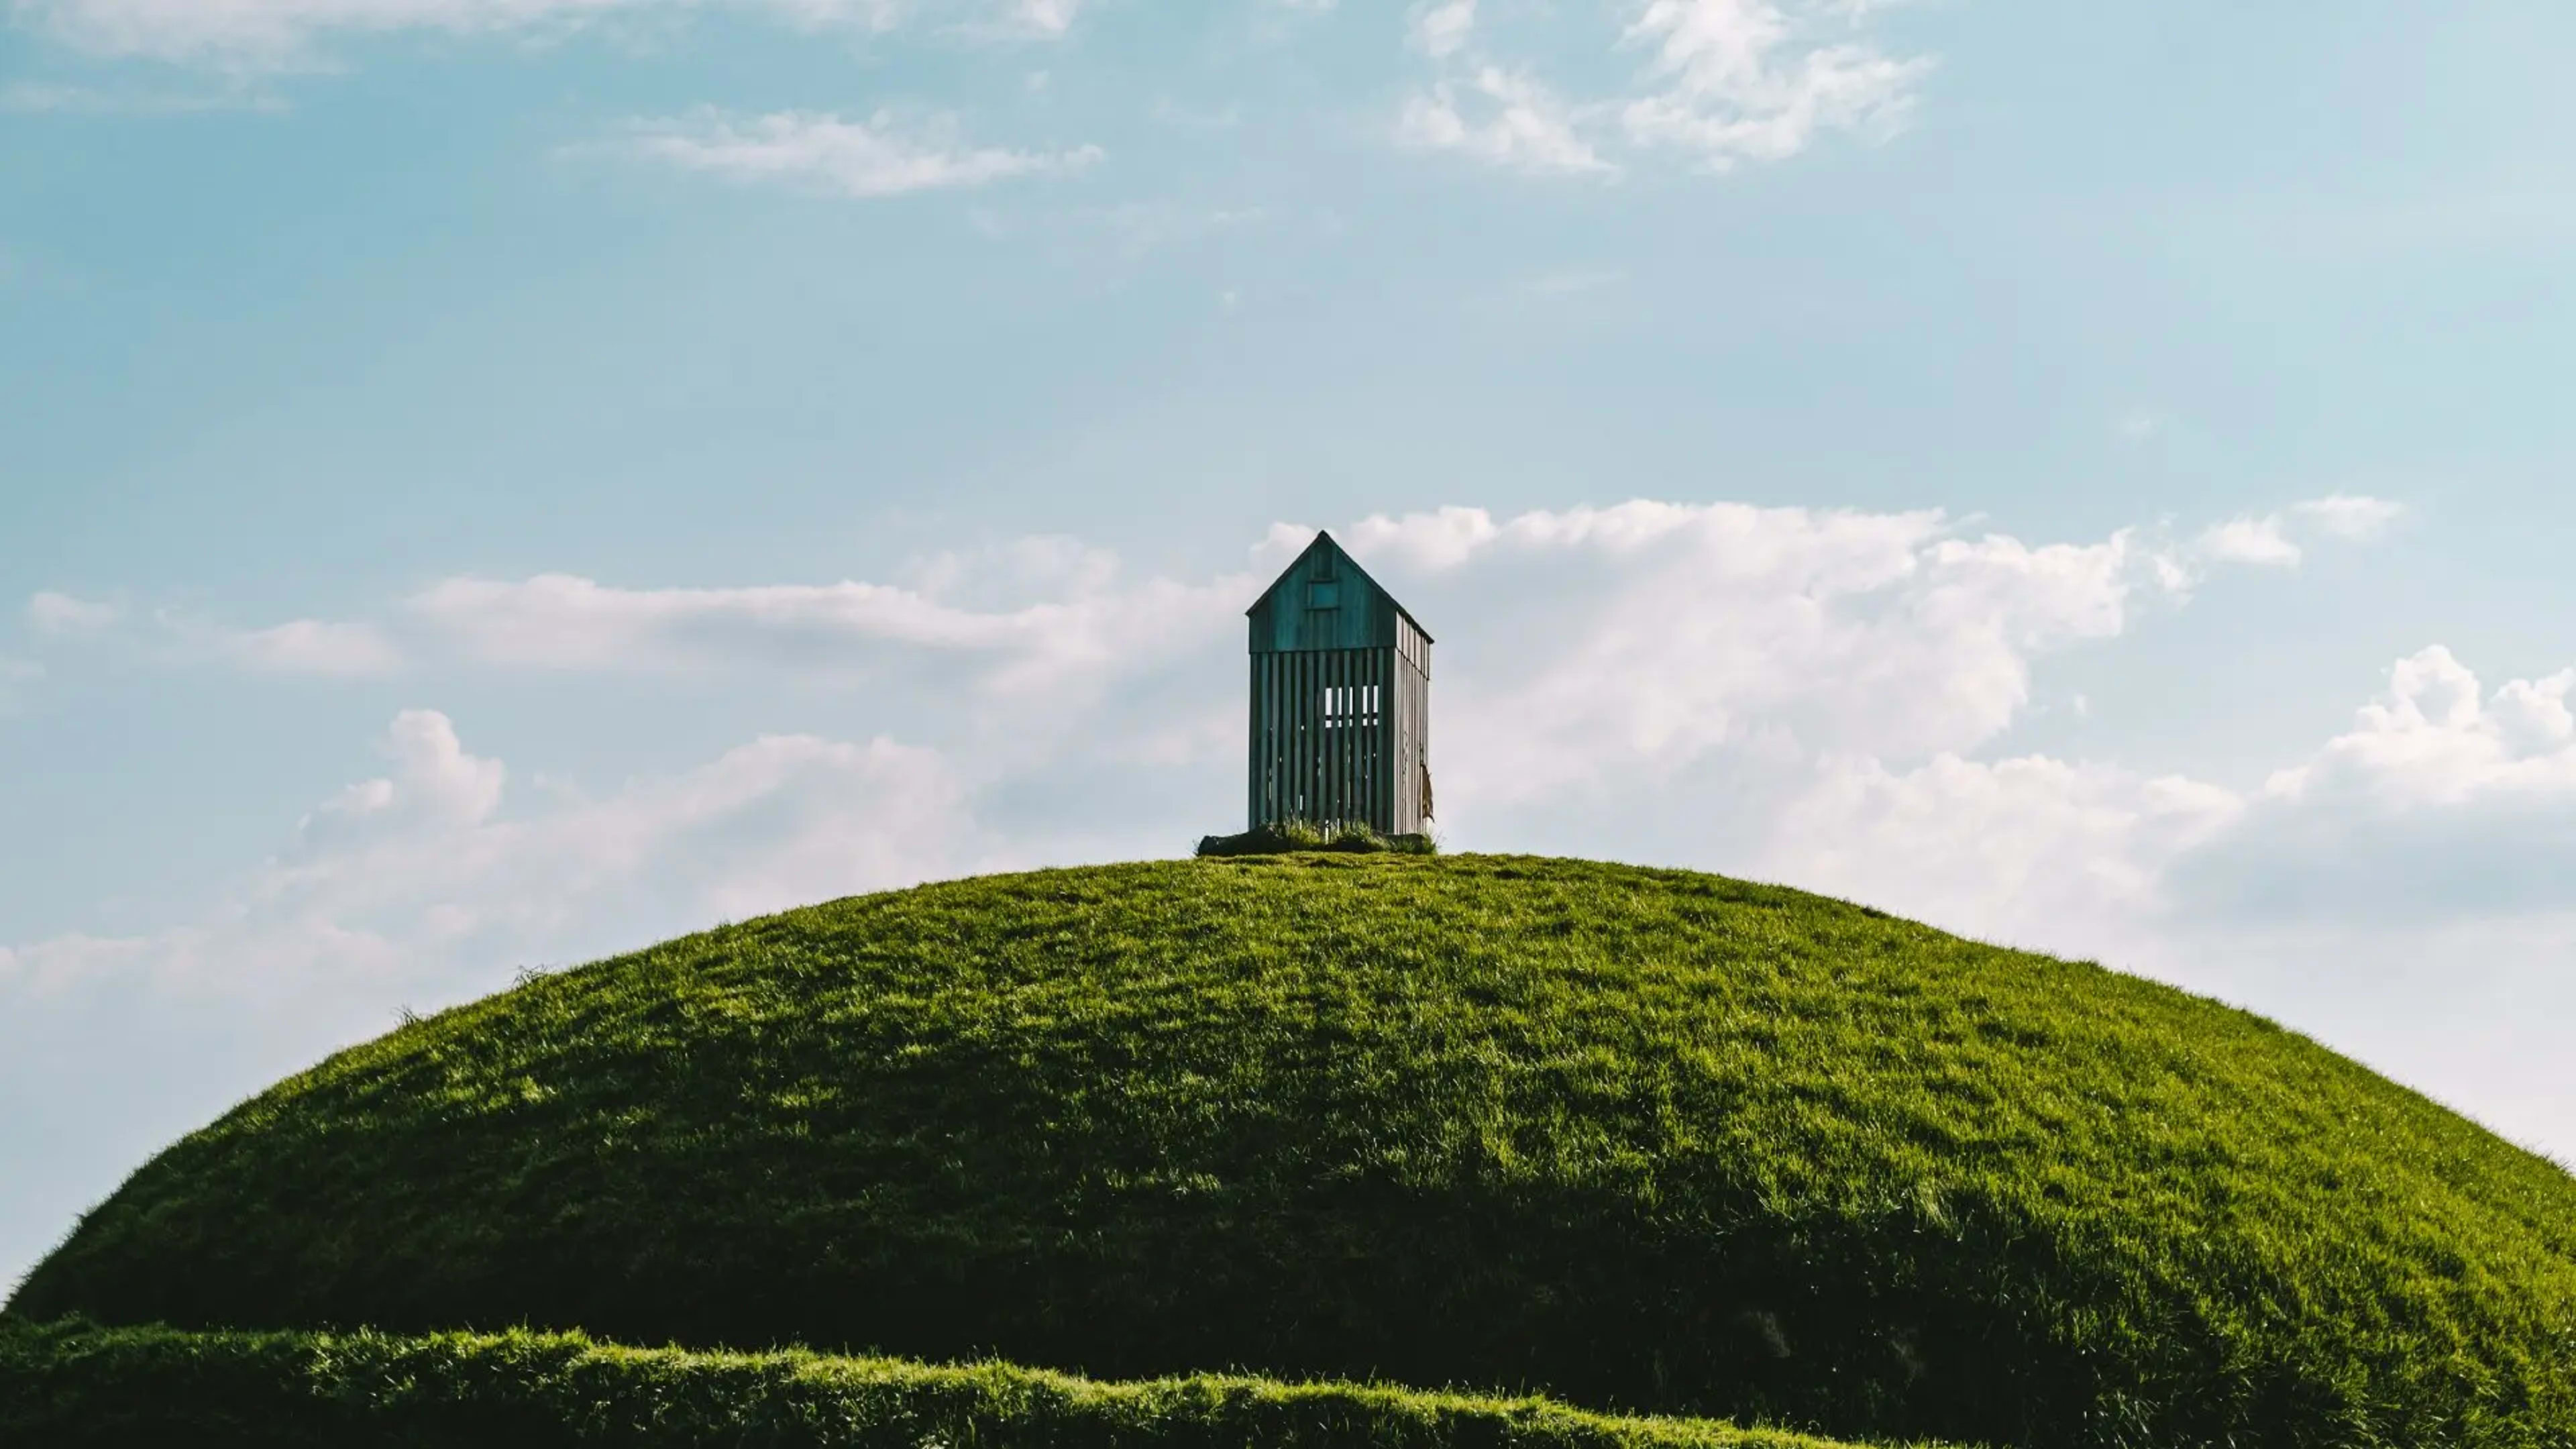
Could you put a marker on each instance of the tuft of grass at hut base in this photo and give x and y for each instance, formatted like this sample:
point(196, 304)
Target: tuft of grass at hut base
point(1283, 837)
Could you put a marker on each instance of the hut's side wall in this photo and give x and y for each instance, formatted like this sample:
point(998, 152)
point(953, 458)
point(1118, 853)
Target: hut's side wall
point(1409, 733)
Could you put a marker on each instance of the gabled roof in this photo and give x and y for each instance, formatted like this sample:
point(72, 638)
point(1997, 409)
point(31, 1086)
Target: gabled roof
point(1292, 614)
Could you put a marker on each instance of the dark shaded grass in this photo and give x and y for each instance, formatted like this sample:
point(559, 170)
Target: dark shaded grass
point(74, 1386)
point(1644, 1140)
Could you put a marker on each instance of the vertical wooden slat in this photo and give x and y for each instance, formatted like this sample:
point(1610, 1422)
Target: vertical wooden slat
point(1327, 761)
point(1382, 791)
point(1295, 713)
point(1297, 734)
point(1287, 757)
point(1357, 668)
point(1356, 746)
point(1373, 739)
point(1333, 761)
point(1324, 742)
point(1305, 734)
point(1340, 667)
point(1341, 735)
point(1363, 737)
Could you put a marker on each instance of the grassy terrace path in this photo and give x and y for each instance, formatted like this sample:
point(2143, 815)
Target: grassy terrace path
point(68, 1386)
point(1646, 1141)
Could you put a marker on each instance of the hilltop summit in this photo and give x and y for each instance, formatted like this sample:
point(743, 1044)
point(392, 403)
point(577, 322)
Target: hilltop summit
point(1646, 1140)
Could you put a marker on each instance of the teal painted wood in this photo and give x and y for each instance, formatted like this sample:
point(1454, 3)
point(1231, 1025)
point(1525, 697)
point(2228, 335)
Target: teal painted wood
point(1325, 600)
point(1338, 724)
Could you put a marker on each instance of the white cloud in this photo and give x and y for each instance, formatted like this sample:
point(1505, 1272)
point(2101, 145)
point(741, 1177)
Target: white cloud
point(2349, 516)
point(1441, 30)
point(1084, 627)
point(1722, 81)
point(1502, 117)
point(1043, 17)
point(1685, 620)
point(2435, 738)
point(2029, 850)
point(1645, 635)
point(1747, 80)
point(2446, 807)
point(421, 880)
point(2250, 541)
point(301, 646)
point(52, 613)
point(434, 780)
point(282, 31)
point(2266, 540)
point(269, 34)
point(883, 155)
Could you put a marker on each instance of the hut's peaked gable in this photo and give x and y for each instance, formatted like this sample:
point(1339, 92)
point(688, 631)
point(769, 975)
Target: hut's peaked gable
point(1325, 600)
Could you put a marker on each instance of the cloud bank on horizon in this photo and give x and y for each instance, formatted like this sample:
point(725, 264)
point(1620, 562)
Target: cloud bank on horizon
point(1818, 696)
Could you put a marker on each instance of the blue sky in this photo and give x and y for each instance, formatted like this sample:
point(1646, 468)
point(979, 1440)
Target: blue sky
point(485, 483)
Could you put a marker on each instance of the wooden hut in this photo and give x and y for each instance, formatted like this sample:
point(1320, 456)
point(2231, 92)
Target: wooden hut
point(1341, 699)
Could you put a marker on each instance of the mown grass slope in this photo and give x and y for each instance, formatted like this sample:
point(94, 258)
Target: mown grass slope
point(1645, 1140)
point(72, 1386)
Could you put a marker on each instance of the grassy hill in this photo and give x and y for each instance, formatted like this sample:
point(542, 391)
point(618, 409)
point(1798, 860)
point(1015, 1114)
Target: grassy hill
point(1646, 1141)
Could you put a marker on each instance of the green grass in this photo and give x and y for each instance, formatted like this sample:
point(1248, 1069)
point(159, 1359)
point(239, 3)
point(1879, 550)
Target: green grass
point(1647, 1141)
point(67, 1385)
point(1283, 837)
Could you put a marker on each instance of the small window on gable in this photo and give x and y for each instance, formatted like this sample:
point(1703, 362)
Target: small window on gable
point(1323, 596)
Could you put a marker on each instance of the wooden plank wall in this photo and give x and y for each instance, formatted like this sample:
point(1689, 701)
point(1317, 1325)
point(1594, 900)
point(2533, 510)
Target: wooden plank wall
point(1340, 735)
